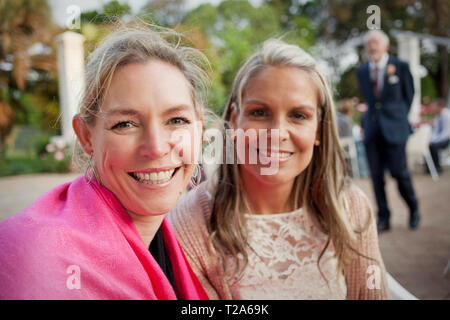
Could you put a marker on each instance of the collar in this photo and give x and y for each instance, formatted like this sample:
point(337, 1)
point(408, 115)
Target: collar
point(381, 65)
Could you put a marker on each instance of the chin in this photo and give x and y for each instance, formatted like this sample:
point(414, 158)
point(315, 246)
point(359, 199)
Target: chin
point(275, 179)
point(154, 209)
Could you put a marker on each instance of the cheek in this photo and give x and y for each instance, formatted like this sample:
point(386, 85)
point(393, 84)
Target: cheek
point(113, 152)
point(304, 141)
point(187, 146)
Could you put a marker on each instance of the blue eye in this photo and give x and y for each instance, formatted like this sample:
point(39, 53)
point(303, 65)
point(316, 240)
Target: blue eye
point(179, 121)
point(123, 125)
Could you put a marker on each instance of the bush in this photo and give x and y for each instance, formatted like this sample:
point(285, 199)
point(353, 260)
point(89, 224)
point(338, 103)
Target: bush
point(15, 165)
point(54, 158)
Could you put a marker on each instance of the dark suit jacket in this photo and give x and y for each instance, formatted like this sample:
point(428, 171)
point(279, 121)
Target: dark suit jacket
point(390, 111)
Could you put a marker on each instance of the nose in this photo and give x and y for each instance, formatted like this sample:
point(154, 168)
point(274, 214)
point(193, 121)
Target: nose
point(282, 129)
point(155, 142)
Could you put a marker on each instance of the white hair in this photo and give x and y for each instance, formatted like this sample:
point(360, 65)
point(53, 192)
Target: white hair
point(376, 33)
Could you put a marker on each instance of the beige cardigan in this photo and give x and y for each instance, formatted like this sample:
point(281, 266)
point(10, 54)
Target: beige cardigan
point(189, 221)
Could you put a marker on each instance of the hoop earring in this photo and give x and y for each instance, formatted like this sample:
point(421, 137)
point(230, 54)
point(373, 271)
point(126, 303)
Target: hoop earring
point(89, 173)
point(196, 176)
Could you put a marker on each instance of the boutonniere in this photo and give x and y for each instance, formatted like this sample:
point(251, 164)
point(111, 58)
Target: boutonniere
point(390, 70)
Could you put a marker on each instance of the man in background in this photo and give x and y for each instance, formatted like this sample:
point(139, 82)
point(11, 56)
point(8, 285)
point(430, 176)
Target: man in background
point(388, 90)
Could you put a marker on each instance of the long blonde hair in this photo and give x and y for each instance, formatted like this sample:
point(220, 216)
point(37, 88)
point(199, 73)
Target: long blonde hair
point(317, 189)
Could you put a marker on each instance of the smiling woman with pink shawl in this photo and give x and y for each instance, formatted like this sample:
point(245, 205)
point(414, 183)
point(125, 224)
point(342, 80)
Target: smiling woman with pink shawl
point(104, 235)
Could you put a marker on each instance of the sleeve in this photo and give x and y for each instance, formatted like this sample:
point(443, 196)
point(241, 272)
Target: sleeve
point(188, 221)
point(407, 84)
point(446, 125)
point(365, 272)
point(438, 136)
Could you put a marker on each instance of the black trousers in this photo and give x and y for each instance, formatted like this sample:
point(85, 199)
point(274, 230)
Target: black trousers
point(434, 150)
point(381, 156)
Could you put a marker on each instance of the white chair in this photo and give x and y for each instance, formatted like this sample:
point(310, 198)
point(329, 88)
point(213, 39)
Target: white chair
point(349, 146)
point(397, 291)
point(418, 145)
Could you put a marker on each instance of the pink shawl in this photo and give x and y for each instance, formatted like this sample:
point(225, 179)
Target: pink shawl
point(78, 242)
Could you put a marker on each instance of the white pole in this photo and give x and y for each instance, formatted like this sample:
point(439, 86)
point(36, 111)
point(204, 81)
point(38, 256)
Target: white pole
point(71, 79)
point(409, 51)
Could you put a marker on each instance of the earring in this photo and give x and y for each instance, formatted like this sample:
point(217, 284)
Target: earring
point(196, 176)
point(317, 143)
point(89, 173)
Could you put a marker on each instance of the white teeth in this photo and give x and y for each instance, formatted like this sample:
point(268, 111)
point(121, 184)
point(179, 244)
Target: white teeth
point(154, 177)
point(276, 154)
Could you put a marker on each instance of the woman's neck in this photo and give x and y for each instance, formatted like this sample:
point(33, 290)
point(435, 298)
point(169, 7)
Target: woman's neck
point(147, 226)
point(268, 199)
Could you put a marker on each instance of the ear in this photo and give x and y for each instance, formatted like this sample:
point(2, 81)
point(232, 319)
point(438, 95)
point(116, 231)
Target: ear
point(83, 133)
point(233, 115)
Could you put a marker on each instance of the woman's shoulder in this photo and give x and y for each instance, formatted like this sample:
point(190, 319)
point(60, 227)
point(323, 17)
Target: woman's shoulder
point(358, 205)
point(193, 210)
point(355, 194)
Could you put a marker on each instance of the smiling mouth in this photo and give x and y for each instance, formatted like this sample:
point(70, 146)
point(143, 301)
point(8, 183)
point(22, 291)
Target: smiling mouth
point(155, 177)
point(270, 154)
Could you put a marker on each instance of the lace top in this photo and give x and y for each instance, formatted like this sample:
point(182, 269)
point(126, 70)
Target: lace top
point(283, 257)
point(286, 247)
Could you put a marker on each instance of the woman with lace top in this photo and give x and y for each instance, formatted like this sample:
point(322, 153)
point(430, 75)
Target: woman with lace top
point(288, 225)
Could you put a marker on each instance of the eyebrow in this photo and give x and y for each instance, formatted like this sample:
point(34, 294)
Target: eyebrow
point(255, 101)
point(178, 108)
point(133, 112)
point(121, 111)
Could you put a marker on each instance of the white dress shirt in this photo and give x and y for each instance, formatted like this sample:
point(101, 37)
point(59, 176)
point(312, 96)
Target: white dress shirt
point(381, 65)
point(441, 127)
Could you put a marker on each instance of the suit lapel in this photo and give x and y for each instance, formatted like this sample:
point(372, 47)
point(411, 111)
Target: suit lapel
point(386, 78)
point(368, 82)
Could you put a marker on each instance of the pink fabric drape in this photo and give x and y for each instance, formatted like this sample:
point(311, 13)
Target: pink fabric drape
point(78, 242)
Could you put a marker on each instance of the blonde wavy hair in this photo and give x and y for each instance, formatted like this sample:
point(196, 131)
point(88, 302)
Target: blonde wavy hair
point(134, 43)
point(317, 189)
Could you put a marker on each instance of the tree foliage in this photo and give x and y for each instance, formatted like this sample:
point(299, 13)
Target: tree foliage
point(28, 65)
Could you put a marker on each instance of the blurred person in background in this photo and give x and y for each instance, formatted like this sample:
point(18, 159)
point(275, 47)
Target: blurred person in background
point(440, 137)
point(388, 90)
point(344, 117)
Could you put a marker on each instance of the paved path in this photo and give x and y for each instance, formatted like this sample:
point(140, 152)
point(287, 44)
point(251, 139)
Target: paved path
point(17, 192)
point(416, 259)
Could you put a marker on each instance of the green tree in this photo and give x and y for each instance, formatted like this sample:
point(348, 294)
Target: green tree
point(235, 29)
point(28, 56)
point(339, 20)
point(109, 13)
point(166, 13)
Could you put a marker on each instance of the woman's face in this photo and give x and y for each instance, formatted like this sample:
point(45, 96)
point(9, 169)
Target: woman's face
point(137, 138)
point(282, 98)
